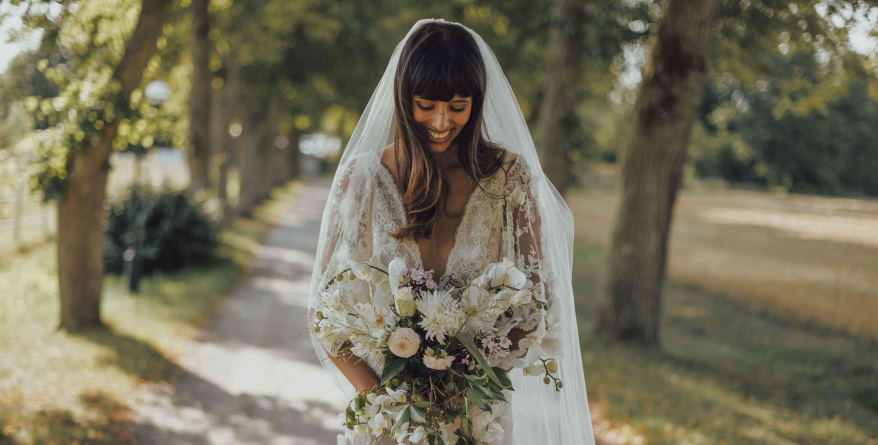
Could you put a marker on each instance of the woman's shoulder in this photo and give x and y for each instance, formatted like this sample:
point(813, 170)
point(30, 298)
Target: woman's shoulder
point(515, 168)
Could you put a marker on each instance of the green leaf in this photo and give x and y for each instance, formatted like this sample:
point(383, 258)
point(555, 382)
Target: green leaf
point(476, 398)
point(504, 379)
point(391, 369)
point(417, 415)
point(402, 417)
point(470, 346)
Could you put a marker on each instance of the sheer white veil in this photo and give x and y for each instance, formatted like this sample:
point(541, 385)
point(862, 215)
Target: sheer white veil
point(541, 415)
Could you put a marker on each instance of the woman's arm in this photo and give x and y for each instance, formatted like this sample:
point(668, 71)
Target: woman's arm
point(355, 369)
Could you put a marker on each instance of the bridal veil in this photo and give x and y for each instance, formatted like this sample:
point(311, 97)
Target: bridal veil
point(541, 415)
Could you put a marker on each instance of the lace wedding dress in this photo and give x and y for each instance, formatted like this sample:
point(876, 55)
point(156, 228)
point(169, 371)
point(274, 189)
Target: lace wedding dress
point(490, 229)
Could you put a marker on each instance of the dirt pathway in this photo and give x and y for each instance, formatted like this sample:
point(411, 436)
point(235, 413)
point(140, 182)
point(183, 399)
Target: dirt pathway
point(252, 376)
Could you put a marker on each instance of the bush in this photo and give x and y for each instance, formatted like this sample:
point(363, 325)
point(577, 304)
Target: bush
point(177, 232)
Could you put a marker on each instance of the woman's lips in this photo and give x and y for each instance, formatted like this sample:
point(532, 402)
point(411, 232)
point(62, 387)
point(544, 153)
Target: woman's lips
point(438, 137)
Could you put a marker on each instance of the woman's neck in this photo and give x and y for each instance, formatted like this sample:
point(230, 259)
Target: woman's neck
point(448, 159)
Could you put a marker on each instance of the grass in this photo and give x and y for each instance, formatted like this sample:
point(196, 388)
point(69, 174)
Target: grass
point(59, 388)
point(750, 355)
point(807, 258)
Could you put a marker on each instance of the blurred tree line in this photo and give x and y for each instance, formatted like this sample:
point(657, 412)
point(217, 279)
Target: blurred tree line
point(766, 92)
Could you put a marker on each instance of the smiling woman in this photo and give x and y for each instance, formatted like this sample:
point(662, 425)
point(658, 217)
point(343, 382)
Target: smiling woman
point(442, 119)
point(441, 176)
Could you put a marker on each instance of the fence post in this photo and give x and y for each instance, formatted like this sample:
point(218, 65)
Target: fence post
point(16, 216)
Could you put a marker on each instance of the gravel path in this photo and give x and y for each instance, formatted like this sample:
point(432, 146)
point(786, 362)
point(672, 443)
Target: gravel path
point(252, 376)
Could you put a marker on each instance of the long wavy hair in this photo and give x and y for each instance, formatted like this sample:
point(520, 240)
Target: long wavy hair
point(438, 61)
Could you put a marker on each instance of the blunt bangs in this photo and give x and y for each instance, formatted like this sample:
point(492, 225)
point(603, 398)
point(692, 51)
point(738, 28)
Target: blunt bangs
point(441, 68)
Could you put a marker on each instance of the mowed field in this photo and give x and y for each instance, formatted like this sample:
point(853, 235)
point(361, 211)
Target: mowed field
point(808, 258)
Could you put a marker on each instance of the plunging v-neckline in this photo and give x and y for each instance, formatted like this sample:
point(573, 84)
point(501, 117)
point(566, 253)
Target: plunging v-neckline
point(457, 232)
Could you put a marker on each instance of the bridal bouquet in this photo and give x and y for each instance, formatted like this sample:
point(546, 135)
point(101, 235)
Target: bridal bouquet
point(444, 351)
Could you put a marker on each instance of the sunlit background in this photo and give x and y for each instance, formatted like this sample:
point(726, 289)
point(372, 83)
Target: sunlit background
point(225, 146)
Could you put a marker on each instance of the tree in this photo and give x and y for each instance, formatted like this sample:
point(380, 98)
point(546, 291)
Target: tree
point(199, 98)
point(95, 101)
point(561, 93)
point(664, 113)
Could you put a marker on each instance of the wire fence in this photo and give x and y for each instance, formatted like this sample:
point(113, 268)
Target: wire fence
point(25, 220)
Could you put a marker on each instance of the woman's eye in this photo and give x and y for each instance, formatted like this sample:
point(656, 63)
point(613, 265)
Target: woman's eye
point(425, 108)
point(457, 109)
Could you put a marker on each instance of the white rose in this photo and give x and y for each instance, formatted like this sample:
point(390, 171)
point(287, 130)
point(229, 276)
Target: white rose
point(404, 342)
point(405, 302)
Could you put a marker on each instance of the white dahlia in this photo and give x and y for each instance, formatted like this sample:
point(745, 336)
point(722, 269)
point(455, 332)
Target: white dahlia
point(404, 342)
point(441, 315)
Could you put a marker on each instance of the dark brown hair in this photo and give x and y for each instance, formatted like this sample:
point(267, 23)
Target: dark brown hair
point(439, 60)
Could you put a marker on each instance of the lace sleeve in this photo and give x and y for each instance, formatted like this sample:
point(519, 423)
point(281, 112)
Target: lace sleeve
point(524, 241)
point(345, 229)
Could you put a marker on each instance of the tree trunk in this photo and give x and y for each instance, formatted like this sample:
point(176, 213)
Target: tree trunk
point(81, 206)
point(199, 98)
point(665, 111)
point(292, 155)
point(249, 154)
point(557, 110)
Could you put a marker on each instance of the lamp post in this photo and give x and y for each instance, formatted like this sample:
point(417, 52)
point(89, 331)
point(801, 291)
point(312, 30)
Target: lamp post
point(156, 92)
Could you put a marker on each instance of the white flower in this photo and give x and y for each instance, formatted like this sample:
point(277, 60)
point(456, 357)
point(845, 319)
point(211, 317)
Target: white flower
point(398, 395)
point(401, 433)
point(404, 342)
point(535, 369)
point(374, 317)
point(396, 273)
point(440, 314)
point(485, 426)
point(379, 423)
point(522, 297)
point(360, 270)
point(405, 302)
point(476, 304)
point(361, 429)
point(438, 362)
point(514, 277)
point(505, 273)
point(418, 435)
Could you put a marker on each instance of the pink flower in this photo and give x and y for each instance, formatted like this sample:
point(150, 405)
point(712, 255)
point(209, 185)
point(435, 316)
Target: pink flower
point(438, 362)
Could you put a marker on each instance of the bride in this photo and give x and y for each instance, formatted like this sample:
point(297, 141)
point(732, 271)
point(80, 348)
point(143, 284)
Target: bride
point(441, 171)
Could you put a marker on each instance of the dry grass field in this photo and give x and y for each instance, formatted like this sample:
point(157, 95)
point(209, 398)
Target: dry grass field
point(809, 258)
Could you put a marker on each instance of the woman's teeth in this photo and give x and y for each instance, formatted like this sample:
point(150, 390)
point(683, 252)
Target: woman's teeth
point(439, 137)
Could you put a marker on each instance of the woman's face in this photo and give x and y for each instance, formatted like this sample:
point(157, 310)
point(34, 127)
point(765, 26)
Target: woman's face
point(442, 120)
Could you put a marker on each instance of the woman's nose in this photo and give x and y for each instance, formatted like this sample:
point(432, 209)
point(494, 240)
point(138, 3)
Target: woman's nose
point(440, 120)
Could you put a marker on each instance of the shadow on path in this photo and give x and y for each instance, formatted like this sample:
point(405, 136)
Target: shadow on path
point(252, 377)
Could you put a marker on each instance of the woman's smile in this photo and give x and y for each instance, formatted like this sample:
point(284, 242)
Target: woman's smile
point(439, 137)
